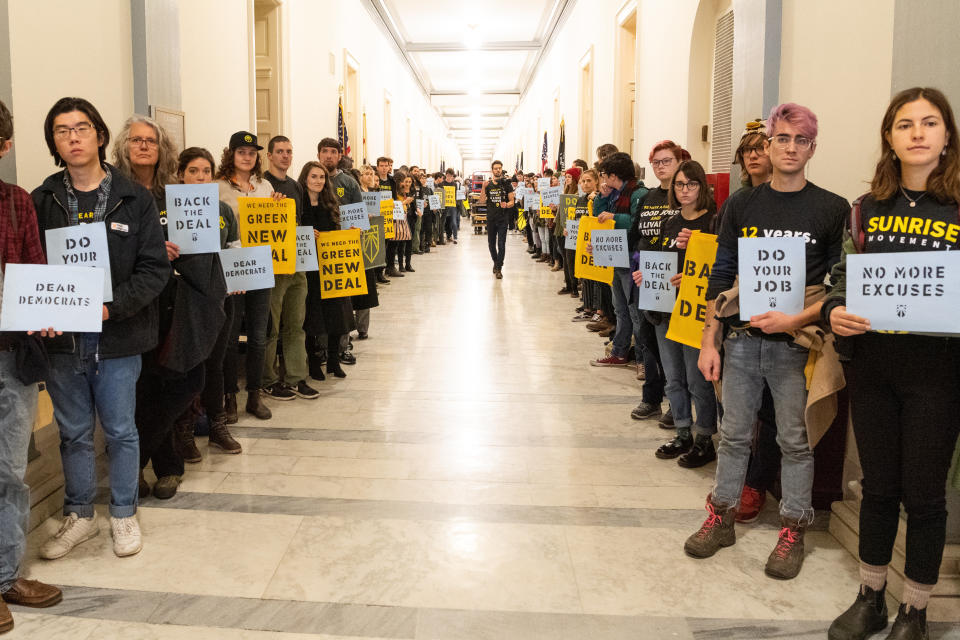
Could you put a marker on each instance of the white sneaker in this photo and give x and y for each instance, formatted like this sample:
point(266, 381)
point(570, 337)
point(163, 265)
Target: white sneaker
point(126, 536)
point(73, 531)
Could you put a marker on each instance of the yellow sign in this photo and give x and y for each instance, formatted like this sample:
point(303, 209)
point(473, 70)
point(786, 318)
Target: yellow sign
point(546, 213)
point(584, 267)
point(386, 210)
point(466, 204)
point(449, 196)
point(267, 221)
point(521, 221)
point(690, 309)
point(340, 254)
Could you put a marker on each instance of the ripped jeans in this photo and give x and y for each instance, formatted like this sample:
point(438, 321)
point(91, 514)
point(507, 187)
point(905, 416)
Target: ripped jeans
point(748, 362)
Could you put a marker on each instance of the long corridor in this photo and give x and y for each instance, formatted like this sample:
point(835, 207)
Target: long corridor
point(472, 478)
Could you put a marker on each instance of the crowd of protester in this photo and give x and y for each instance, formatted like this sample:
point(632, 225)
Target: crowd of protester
point(169, 360)
point(905, 417)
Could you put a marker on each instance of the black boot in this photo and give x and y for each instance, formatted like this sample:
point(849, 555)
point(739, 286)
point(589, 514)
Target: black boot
point(230, 407)
point(867, 615)
point(183, 441)
point(911, 624)
point(256, 407)
point(702, 453)
point(316, 367)
point(333, 365)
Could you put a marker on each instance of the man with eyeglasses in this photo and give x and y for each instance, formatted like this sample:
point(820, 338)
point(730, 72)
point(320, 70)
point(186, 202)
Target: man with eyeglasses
point(763, 350)
point(95, 374)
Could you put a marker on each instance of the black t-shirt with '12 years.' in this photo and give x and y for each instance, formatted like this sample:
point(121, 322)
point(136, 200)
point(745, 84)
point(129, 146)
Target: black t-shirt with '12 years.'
point(893, 226)
point(654, 211)
point(498, 192)
point(815, 214)
point(86, 203)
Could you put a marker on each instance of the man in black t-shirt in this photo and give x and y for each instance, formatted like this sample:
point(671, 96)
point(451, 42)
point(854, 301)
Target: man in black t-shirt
point(498, 195)
point(288, 297)
point(763, 350)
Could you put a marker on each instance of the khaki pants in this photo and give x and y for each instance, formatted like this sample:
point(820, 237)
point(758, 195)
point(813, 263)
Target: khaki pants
point(287, 310)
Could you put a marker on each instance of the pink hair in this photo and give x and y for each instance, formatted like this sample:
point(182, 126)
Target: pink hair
point(679, 152)
point(799, 116)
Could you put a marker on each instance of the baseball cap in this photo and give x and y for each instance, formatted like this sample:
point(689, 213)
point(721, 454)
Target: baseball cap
point(244, 139)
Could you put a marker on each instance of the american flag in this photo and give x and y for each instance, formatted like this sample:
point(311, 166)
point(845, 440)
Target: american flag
point(342, 129)
point(543, 154)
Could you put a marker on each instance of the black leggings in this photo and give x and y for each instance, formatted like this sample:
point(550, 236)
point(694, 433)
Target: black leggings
point(905, 408)
point(161, 399)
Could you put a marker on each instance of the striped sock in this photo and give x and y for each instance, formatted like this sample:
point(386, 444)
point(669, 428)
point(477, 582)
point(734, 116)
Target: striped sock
point(873, 576)
point(916, 595)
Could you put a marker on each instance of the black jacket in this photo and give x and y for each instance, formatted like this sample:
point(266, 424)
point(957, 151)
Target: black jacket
point(138, 263)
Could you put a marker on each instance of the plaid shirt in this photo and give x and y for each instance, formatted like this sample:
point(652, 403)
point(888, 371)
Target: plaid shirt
point(20, 245)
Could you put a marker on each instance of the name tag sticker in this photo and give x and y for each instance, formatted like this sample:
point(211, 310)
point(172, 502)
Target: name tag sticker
point(119, 226)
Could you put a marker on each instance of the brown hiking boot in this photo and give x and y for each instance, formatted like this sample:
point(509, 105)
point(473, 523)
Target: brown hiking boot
point(787, 557)
point(255, 406)
point(230, 407)
point(716, 532)
point(220, 436)
point(183, 441)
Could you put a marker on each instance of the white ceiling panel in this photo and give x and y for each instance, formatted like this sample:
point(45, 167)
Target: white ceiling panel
point(438, 21)
point(465, 70)
point(474, 59)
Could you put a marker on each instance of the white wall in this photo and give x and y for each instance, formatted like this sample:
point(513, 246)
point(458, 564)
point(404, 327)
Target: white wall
point(317, 29)
point(836, 59)
point(214, 72)
point(62, 49)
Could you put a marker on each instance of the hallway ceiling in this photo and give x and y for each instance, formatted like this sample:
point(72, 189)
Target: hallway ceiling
point(474, 59)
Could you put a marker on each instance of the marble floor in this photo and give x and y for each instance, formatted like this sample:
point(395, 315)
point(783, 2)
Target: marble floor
point(472, 478)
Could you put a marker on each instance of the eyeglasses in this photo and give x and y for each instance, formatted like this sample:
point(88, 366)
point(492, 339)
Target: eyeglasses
point(783, 141)
point(82, 131)
point(693, 185)
point(754, 148)
point(139, 142)
point(661, 163)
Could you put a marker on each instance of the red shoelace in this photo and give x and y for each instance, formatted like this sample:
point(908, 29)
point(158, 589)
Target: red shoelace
point(713, 520)
point(788, 538)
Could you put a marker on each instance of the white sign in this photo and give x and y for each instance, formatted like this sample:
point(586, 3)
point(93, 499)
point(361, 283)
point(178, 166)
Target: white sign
point(420, 205)
point(911, 291)
point(570, 241)
point(773, 275)
point(371, 199)
point(655, 291)
point(434, 203)
point(610, 248)
point(193, 217)
point(543, 183)
point(399, 211)
point(531, 201)
point(36, 296)
point(82, 245)
point(307, 248)
point(430, 182)
point(461, 194)
point(550, 195)
point(247, 268)
point(355, 215)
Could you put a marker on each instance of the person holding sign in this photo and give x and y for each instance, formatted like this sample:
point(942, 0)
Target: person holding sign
point(566, 210)
point(95, 374)
point(241, 176)
point(191, 308)
point(763, 350)
point(451, 217)
point(402, 235)
point(497, 194)
point(332, 317)
point(196, 166)
point(905, 417)
point(685, 386)
point(428, 217)
point(620, 200)
point(19, 244)
point(288, 297)
point(587, 183)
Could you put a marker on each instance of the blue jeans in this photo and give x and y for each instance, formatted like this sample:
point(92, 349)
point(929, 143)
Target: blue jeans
point(83, 387)
point(748, 362)
point(622, 286)
point(18, 405)
point(685, 383)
